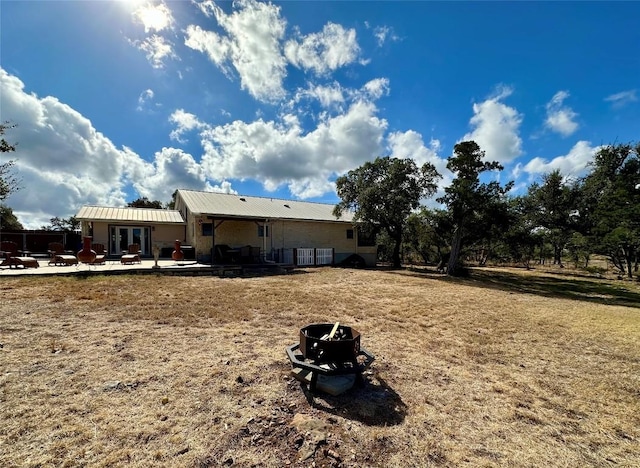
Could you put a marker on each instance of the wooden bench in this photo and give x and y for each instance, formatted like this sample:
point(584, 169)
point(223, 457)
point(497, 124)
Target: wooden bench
point(64, 260)
point(25, 262)
point(129, 259)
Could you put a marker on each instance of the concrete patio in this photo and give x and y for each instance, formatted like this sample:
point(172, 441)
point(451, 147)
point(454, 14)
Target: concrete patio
point(110, 266)
point(147, 266)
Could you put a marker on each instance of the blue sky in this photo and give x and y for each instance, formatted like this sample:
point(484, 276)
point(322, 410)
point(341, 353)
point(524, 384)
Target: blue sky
point(115, 100)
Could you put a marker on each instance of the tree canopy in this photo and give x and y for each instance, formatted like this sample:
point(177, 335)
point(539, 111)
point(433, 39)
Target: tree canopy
point(70, 224)
point(8, 181)
point(554, 209)
point(172, 204)
point(382, 193)
point(144, 202)
point(467, 196)
point(8, 220)
point(612, 194)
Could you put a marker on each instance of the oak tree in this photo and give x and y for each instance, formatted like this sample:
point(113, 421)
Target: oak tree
point(383, 193)
point(467, 196)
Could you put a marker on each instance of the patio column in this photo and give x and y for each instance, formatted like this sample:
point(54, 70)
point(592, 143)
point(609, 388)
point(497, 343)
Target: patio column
point(264, 240)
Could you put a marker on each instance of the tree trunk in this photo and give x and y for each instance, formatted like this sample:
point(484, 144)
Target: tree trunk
point(557, 255)
point(628, 257)
point(424, 255)
point(484, 254)
point(541, 260)
point(396, 253)
point(617, 261)
point(456, 243)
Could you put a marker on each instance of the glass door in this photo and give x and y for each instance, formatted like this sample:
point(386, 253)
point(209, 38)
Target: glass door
point(122, 236)
point(123, 240)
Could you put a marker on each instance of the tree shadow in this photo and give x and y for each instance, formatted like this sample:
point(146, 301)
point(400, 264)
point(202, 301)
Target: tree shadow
point(574, 288)
point(372, 402)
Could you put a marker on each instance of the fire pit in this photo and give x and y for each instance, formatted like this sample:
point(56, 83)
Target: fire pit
point(328, 350)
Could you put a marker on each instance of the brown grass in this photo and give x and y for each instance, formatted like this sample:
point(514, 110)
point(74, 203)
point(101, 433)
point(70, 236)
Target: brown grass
point(505, 368)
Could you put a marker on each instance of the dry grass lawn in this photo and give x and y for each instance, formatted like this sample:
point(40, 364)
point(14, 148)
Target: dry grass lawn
point(505, 368)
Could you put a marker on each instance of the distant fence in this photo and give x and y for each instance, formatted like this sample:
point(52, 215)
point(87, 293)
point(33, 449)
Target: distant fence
point(38, 241)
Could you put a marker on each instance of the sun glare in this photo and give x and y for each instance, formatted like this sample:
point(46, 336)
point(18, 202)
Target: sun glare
point(153, 17)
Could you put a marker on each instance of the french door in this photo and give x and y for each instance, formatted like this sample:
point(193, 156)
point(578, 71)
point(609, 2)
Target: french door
point(121, 237)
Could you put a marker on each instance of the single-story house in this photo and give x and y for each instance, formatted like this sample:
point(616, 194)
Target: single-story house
point(220, 228)
point(286, 231)
point(117, 228)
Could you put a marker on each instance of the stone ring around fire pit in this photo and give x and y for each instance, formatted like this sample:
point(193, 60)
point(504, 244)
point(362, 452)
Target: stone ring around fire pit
point(331, 352)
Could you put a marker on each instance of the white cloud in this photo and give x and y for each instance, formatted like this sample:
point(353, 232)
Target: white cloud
point(208, 7)
point(154, 17)
point(573, 164)
point(496, 128)
point(145, 96)
point(410, 144)
point(185, 122)
point(560, 118)
point(384, 34)
point(622, 98)
point(325, 51)
point(377, 88)
point(333, 96)
point(217, 48)
point(252, 45)
point(62, 160)
point(329, 96)
point(283, 154)
point(171, 168)
point(157, 49)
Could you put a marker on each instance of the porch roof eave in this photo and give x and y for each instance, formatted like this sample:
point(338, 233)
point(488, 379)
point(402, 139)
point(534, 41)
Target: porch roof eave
point(227, 217)
point(131, 221)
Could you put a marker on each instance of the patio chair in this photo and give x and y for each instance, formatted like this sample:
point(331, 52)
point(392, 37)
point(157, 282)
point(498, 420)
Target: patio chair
point(12, 259)
point(132, 255)
point(59, 256)
point(101, 254)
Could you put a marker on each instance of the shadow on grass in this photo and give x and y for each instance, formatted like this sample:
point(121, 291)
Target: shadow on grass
point(590, 290)
point(372, 402)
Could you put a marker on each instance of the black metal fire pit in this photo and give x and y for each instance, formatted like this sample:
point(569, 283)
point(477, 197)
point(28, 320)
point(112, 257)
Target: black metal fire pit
point(329, 350)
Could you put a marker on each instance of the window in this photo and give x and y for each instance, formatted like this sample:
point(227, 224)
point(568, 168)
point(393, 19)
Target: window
point(207, 229)
point(366, 240)
point(261, 231)
point(349, 233)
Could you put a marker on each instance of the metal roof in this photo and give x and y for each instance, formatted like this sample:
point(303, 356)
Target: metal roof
point(240, 206)
point(141, 215)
